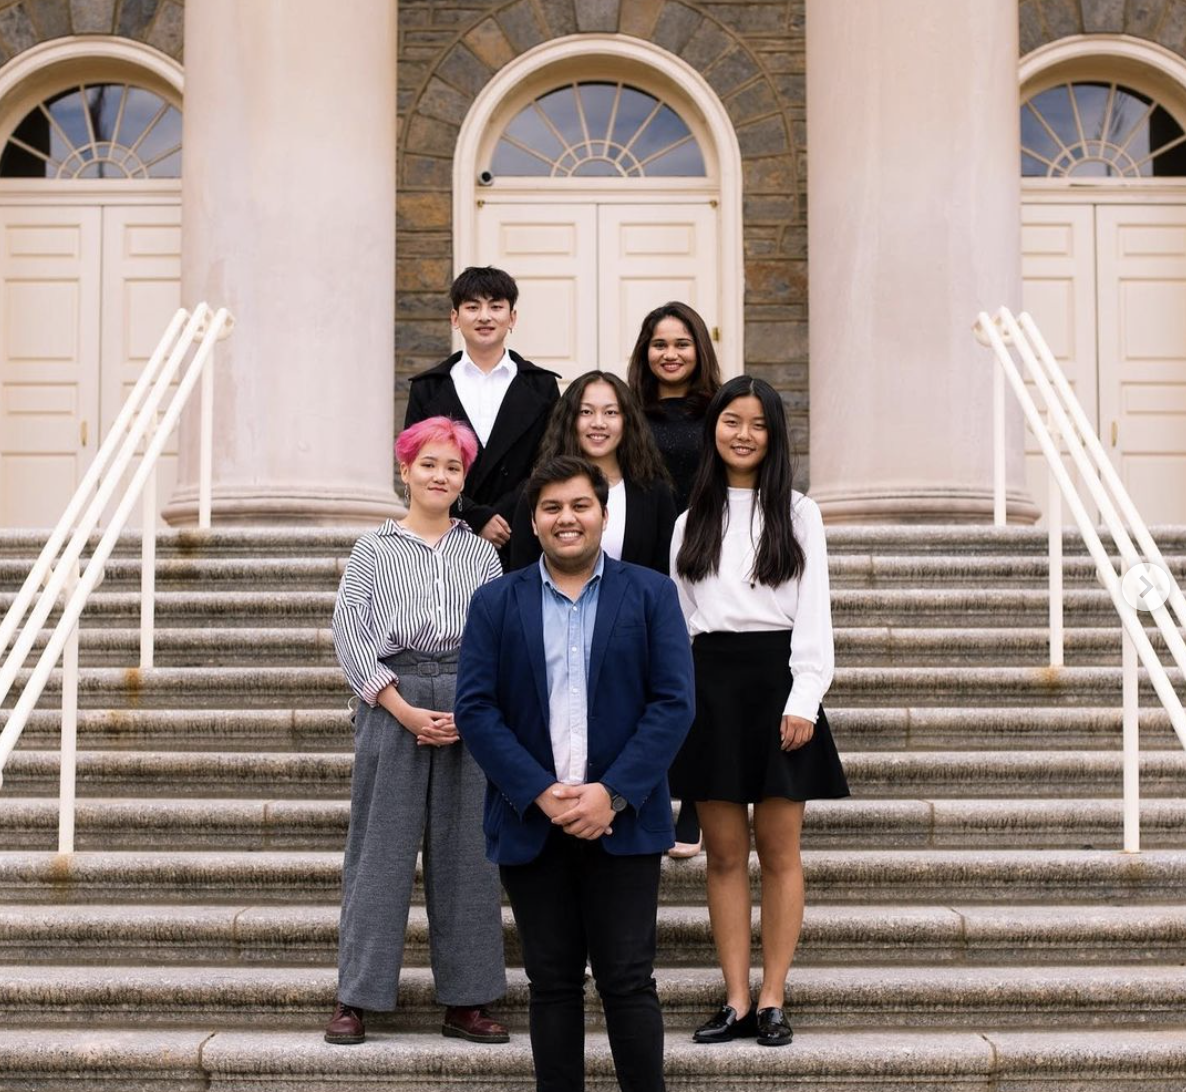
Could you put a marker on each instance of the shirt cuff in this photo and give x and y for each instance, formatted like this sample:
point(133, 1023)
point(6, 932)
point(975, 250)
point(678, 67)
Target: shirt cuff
point(801, 704)
point(377, 683)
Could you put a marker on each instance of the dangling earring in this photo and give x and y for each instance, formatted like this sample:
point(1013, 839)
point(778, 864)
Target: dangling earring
point(407, 497)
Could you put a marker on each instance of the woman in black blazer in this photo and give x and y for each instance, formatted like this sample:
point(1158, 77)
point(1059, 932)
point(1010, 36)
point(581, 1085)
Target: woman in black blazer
point(597, 418)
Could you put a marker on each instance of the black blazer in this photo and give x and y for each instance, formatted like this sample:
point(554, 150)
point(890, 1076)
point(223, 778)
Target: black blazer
point(494, 482)
point(650, 517)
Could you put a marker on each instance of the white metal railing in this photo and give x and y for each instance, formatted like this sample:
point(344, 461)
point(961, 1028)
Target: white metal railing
point(57, 572)
point(1064, 417)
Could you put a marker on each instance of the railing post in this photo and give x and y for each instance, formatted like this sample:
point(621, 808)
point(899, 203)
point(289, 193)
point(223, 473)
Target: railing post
point(206, 444)
point(998, 448)
point(148, 510)
point(1054, 553)
point(69, 749)
point(1132, 745)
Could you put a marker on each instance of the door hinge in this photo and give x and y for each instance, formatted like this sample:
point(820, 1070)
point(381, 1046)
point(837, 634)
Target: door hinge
point(1115, 432)
point(83, 432)
point(716, 333)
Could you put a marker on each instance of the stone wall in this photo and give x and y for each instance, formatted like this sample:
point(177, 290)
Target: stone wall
point(750, 51)
point(1161, 21)
point(25, 23)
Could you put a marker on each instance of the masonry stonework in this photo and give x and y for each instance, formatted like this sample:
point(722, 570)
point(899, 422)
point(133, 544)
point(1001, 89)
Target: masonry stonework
point(751, 54)
point(26, 23)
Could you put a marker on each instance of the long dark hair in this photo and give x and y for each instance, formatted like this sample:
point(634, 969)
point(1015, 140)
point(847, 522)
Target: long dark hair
point(638, 455)
point(706, 379)
point(779, 555)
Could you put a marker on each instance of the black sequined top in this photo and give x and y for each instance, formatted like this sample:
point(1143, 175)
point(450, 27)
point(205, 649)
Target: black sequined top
point(678, 430)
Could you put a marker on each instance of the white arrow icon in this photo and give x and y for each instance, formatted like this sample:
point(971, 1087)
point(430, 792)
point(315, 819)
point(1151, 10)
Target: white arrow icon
point(1145, 586)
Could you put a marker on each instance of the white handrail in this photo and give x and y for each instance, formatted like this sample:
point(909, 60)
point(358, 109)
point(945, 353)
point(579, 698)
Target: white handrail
point(210, 327)
point(37, 574)
point(1108, 492)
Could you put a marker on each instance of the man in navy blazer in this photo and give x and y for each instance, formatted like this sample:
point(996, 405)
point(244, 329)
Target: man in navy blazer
point(574, 693)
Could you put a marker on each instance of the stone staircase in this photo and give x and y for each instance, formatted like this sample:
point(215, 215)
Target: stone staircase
point(971, 923)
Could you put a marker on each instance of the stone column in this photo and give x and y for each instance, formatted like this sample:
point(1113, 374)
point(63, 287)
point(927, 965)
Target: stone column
point(288, 213)
point(914, 225)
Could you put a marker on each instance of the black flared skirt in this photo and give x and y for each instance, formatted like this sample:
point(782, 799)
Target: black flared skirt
point(733, 751)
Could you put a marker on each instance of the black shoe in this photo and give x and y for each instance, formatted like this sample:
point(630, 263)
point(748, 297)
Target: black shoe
point(773, 1029)
point(724, 1026)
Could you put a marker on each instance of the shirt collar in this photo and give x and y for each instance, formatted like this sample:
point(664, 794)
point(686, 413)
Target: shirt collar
point(506, 365)
point(389, 528)
point(598, 569)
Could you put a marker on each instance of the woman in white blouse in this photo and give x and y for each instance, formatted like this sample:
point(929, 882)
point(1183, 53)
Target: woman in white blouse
point(599, 419)
point(398, 620)
point(750, 562)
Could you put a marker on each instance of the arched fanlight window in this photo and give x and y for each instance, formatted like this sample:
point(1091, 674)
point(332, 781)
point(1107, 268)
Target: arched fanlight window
point(99, 130)
point(1099, 130)
point(598, 130)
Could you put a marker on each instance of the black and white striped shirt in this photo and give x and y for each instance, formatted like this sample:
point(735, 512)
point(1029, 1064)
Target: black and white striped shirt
point(399, 593)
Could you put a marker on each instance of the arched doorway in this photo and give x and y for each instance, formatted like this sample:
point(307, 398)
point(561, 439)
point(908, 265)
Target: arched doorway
point(1103, 160)
point(90, 255)
point(604, 174)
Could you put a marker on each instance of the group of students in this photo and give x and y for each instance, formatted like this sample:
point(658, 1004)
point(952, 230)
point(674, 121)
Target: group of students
point(534, 721)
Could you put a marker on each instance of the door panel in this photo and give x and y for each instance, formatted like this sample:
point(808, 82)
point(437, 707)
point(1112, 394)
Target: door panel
point(49, 358)
point(551, 251)
point(1058, 277)
point(141, 290)
point(1142, 337)
point(647, 255)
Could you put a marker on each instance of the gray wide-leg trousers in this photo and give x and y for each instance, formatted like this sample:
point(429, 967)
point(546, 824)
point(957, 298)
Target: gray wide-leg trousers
point(403, 796)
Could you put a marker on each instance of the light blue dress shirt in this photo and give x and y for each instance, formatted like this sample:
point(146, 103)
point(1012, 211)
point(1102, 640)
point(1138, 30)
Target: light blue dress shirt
point(568, 639)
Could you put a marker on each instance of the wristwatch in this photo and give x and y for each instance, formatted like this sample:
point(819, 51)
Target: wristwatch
point(616, 800)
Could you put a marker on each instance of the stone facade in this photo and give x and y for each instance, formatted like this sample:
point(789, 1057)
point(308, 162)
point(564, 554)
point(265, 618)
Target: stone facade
point(25, 23)
point(751, 53)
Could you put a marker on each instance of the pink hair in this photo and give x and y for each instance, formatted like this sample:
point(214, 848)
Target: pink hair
point(437, 430)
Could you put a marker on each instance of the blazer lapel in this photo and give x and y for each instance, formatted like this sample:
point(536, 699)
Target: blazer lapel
point(528, 594)
point(634, 534)
point(609, 599)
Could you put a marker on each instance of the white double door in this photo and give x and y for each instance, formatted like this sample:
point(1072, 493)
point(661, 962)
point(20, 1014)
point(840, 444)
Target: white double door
point(1106, 284)
point(85, 294)
point(588, 273)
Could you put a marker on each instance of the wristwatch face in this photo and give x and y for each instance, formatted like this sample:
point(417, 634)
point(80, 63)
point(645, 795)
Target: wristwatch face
point(618, 803)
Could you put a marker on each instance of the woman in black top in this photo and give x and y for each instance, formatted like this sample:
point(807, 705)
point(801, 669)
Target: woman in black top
point(674, 372)
point(597, 418)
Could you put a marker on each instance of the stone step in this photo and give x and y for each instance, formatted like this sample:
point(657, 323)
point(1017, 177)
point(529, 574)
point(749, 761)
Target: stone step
point(869, 728)
point(325, 687)
point(285, 540)
point(899, 606)
point(210, 575)
point(911, 876)
point(823, 1059)
point(865, 646)
point(238, 824)
point(298, 935)
point(221, 572)
point(870, 773)
point(1105, 995)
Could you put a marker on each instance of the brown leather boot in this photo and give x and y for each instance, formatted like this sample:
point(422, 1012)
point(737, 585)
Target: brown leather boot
point(474, 1024)
point(346, 1027)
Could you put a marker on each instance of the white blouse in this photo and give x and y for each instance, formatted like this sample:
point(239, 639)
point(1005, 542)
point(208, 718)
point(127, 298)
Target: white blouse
point(729, 603)
point(615, 527)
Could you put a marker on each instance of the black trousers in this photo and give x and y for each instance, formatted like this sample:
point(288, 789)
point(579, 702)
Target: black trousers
point(575, 902)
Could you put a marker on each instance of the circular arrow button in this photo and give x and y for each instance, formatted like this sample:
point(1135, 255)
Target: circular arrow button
point(1145, 586)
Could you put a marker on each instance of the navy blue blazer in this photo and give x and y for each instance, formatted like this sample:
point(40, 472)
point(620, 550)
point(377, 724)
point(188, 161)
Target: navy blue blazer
point(640, 706)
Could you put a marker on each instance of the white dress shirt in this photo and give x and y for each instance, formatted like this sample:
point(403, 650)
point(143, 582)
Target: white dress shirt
point(729, 602)
point(481, 393)
point(615, 527)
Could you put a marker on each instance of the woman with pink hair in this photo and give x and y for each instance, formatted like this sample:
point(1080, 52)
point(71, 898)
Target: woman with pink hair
point(397, 626)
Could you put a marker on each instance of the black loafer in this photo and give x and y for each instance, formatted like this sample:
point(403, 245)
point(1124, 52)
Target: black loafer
point(724, 1026)
point(773, 1029)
